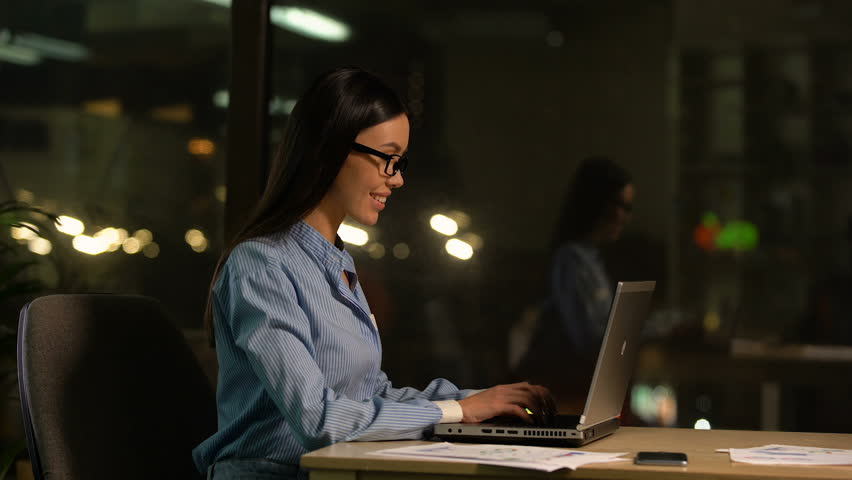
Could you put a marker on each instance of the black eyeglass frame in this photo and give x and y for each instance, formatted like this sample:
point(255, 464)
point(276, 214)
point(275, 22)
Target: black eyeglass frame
point(398, 166)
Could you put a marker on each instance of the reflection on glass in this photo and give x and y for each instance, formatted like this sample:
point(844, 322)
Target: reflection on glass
point(459, 249)
point(70, 225)
point(40, 246)
point(353, 235)
point(444, 224)
point(107, 120)
point(505, 102)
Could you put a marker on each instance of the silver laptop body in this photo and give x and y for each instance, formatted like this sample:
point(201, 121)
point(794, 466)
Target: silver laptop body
point(614, 367)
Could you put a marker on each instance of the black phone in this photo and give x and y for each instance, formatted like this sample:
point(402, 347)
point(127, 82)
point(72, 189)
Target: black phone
point(676, 459)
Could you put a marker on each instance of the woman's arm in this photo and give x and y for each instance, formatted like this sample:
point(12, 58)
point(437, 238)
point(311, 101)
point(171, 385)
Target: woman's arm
point(438, 389)
point(441, 391)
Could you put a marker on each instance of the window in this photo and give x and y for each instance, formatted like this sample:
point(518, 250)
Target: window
point(112, 114)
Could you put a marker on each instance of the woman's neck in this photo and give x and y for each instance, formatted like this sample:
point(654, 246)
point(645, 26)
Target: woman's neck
point(324, 221)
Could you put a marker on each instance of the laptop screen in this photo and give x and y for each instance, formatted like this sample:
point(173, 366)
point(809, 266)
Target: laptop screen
point(619, 349)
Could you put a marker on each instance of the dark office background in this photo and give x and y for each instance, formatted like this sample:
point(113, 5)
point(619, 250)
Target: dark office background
point(157, 118)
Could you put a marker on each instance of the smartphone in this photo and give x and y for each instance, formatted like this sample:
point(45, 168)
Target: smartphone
point(676, 459)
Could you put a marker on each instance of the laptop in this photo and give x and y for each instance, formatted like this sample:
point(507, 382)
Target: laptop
point(601, 413)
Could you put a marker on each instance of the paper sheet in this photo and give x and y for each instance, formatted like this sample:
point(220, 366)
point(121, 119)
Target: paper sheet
point(535, 458)
point(791, 455)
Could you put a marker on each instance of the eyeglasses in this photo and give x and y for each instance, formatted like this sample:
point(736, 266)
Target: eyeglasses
point(393, 163)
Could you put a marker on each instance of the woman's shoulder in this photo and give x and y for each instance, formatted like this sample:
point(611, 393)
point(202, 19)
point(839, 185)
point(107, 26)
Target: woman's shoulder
point(573, 256)
point(259, 253)
point(567, 252)
point(577, 251)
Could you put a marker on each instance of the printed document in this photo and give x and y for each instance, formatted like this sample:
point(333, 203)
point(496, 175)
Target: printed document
point(791, 455)
point(536, 458)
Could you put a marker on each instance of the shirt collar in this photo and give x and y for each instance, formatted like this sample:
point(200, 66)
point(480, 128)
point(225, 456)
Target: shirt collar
point(333, 256)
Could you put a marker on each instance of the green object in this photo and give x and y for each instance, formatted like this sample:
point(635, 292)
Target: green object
point(738, 235)
point(16, 288)
point(710, 220)
point(643, 403)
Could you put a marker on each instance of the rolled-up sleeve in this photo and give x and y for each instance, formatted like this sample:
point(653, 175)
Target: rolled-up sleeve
point(438, 389)
point(443, 392)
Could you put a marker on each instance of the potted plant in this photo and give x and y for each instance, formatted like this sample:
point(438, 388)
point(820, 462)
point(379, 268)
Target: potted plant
point(17, 286)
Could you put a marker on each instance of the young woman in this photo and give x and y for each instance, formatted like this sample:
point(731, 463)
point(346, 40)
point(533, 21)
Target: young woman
point(572, 319)
point(298, 349)
point(598, 206)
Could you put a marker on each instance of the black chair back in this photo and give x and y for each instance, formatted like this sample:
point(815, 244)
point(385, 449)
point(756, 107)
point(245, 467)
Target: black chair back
point(110, 389)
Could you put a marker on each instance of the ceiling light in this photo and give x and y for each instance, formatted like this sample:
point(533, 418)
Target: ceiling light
point(459, 249)
point(309, 23)
point(303, 21)
point(444, 224)
point(52, 47)
point(19, 55)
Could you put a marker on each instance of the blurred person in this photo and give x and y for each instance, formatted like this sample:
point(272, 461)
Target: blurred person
point(556, 343)
point(298, 348)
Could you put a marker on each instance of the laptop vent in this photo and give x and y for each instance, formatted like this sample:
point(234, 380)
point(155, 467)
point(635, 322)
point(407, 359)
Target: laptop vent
point(545, 433)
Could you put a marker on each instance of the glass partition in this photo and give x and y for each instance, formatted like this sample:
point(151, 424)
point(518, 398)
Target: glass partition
point(730, 122)
point(506, 100)
point(112, 116)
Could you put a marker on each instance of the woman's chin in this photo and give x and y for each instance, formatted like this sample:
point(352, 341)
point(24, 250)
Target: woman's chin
point(366, 220)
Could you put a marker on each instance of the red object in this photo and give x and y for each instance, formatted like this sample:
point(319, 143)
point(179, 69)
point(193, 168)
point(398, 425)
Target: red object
point(705, 237)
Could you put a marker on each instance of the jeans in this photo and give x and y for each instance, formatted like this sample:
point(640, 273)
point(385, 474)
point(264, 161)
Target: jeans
point(254, 469)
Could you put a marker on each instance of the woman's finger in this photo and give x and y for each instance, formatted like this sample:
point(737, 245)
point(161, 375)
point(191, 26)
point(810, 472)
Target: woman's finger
point(517, 411)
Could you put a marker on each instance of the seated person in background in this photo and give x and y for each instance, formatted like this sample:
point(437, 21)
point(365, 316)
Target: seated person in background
point(298, 349)
point(565, 337)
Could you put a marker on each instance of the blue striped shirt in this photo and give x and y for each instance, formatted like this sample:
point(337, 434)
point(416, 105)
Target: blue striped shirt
point(300, 356)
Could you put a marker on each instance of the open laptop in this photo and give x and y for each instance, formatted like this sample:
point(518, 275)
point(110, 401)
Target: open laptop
point(616, 360)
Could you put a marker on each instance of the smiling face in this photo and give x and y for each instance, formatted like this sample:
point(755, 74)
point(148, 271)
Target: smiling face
point(361, 189)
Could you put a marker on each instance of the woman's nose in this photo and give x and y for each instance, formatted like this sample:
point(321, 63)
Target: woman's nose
point(396, 180)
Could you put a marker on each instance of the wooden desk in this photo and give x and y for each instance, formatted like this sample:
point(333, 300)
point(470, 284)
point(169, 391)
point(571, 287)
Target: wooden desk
point(348, 461)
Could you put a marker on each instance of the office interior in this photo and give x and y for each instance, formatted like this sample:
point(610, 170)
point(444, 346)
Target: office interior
point(148, 125)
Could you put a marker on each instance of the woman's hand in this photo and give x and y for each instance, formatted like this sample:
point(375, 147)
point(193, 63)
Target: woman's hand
point(509, 399)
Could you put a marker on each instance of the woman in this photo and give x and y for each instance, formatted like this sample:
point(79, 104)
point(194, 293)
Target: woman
point(598, 206)
point(298, 349)
point(568, 326)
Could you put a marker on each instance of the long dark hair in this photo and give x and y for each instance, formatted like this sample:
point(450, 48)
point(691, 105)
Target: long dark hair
point(317, 139)
point(596, 186)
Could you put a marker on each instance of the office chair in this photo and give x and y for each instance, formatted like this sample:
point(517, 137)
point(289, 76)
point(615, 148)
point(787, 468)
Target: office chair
point(110, 389)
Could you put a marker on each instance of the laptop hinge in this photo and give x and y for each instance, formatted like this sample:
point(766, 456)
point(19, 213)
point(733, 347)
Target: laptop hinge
point(582, 427)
